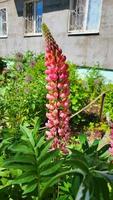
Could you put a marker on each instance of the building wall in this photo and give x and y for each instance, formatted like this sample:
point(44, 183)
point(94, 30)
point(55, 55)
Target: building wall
point(81, 49)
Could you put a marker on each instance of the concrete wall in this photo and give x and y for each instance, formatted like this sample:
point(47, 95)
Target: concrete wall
point(82, 49)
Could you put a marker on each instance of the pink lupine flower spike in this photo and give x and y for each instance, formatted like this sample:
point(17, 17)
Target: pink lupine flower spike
point(58, 93)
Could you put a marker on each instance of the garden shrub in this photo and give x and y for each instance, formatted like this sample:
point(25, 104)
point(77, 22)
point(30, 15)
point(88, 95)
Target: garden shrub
point(108, 105)
point(83, 91)
point(23, 92)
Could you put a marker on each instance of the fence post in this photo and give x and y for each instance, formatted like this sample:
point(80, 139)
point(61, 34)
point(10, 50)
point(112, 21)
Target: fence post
point(102, 106)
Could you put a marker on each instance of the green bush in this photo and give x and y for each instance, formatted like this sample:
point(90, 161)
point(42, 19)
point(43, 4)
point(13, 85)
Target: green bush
point(22, 92)
point(108, 105)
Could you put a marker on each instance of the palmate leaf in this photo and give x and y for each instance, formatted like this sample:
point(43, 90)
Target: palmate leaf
point(33, 156)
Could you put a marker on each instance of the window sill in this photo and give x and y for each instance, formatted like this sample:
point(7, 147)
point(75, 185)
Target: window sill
point(3, 37)
point(33, 35)
point(75, 33)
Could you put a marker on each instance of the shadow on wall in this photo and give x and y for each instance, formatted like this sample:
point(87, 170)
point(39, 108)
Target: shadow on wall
point(48, 6)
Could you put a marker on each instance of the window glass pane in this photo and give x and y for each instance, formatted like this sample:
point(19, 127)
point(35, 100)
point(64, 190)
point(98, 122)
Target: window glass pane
point(4, 29)
point(94, 14)
point(1, 33)
point(29, 18)
point(80, 13)
point(39, 12)
point(4, 15)
point(77, 14)
point(3, 25)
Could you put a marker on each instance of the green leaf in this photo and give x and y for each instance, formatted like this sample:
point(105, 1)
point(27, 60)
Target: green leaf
point(22, 148)
point(93, 148)
point(82, 138)
point(55, 179)
point(36, 127)
point(87, 195)
point(80, 192)
point(75, 184)
point(103, 149)
point(48, 158)
point(44, 151)
point(84, 142)
point(40, 142)
point(78, 163)
point(29, 134)
point(55, 167)
point(24, 179)
point(106, 174)
point(27, 159)
point(21, 166)
point(30, 188)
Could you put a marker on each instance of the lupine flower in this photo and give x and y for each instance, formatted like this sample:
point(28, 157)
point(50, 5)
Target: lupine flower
point(58, 93)
point(111, 140)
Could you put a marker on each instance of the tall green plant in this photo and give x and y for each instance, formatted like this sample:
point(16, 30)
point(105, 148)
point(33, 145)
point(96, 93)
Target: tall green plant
point(37, 163)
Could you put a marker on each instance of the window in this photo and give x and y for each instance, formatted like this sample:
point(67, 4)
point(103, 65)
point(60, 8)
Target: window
point(84, 16)
point(33, 11)
point(3, 22)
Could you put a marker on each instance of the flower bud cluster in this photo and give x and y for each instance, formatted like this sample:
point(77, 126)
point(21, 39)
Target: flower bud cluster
point(58, 93)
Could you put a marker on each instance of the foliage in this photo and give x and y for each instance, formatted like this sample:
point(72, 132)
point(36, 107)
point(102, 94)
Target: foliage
point(108, 106)
point(83, 91)
point(94, 179)
point(78, 88)
point(38, 173)
point(32, 156)
point(94, 78)
point(22, 92)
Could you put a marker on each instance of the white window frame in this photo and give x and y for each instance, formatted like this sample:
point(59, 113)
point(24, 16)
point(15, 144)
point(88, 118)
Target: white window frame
point(31, 33)
point(84, 31)
point(6, 35)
